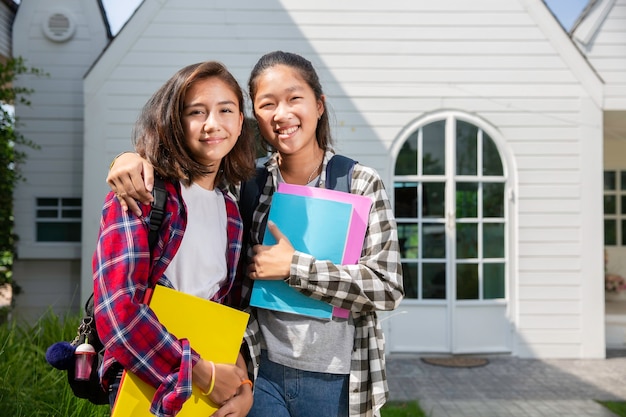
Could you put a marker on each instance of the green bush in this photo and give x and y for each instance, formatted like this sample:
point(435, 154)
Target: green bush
point(29, 386)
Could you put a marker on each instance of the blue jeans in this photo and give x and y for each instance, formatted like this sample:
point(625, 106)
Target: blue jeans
point(281, 391)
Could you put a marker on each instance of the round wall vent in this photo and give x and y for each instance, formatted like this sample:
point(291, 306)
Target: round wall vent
point(59, 26)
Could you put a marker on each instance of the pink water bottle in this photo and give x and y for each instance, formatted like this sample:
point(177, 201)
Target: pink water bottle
point(84, 355)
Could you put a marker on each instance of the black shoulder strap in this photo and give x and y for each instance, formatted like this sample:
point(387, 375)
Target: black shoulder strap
point(339, 173)
point(249, 194)
point(157, 212)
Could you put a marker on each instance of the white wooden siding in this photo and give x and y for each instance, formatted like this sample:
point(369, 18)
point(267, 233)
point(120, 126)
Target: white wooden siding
point(606, 51)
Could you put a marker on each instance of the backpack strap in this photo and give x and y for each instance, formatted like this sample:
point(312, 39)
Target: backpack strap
point(157, 213)
point(339, 173)
point(249, 194)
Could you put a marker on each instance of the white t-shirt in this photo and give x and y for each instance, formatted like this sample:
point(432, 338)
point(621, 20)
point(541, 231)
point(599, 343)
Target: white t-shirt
point(199, 266)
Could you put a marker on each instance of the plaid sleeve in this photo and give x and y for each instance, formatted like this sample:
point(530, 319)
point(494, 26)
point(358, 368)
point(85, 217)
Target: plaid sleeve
point(129, 329)
point(375, 283)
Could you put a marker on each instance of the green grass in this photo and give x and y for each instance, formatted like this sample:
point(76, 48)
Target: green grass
point(617, 407)
point(29, 386)
point(402, 409)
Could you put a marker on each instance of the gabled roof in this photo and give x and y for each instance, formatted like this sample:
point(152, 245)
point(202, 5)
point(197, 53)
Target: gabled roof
point(591, 20)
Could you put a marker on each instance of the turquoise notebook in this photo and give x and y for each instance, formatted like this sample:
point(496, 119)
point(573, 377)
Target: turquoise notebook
point(319, 227)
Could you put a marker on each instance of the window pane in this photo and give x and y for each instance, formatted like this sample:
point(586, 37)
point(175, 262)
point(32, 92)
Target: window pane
point(409, 276)
point(466, 200)
point(434, 281)
point(466, 241)
point(405, 199)
point(434, 199)
point(623, 233)
point(493, 200)
point(408, 238)
point(492, 165)
point(49, 214)
point(71, 202)
point(493, 281)
point(610, 232)
point(622, 182)
point(623, 204)
point(493, 240)
point(610, 204)
point(71, 214)
point(609, 180)
point(406, 164)
point(58, 232)
point(434, 240)
point(434, 145)
point(467, 282)
point(466, 147)
point(50, 202)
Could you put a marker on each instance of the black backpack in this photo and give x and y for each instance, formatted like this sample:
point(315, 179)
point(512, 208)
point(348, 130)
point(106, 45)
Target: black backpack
point(87, 333)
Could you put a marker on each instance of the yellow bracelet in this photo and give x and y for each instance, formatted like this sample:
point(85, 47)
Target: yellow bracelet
point(115, 159)
point(212, 384)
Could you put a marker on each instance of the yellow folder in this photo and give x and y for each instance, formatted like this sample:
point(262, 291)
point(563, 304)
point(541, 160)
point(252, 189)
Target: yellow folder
point(214, 330)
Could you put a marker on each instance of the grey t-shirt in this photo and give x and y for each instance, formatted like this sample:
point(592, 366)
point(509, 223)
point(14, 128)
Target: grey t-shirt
point(307, 343)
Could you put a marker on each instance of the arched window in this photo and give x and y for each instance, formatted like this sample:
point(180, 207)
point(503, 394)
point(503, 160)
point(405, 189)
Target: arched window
point(449, 192)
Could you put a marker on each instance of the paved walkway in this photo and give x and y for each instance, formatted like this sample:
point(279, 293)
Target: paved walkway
point(511, 387)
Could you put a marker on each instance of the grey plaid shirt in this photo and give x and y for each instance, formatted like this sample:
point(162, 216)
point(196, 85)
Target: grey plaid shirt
point(375, 283)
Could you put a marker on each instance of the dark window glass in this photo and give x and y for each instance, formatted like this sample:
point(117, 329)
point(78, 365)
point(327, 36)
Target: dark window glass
point(434, 240)
point(58, 232)
point(492, 164)
point(434, 194)
point(466, 241)
point(493, 240)
point(466, 148)
point(434, 144)
point(409, 240)
point(493, 281)
point(406, 164)
point(610, 232)
point(610, 180)
point(466, 200)
point(466, 282)
point(434, 281)
point(610, 204)
point(405, 199)
point(493, 199)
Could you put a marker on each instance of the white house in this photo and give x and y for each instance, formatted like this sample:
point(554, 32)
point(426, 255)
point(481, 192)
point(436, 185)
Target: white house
point(490, 125)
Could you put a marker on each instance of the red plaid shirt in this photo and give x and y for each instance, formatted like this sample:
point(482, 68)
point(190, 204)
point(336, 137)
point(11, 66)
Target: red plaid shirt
point(123, 269)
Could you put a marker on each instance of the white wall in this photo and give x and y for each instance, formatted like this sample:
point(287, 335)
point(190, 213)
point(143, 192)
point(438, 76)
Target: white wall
point(54, 121)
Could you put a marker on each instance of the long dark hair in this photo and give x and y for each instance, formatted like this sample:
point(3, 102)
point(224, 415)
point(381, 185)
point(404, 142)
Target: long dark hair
point(308, 74)
point(159, 137)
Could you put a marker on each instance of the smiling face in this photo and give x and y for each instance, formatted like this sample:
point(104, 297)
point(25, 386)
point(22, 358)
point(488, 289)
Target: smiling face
point(211, 120)
point(286, 110)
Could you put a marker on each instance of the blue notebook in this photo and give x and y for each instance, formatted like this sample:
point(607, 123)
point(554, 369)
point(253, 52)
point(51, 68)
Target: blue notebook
point(319, 227)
